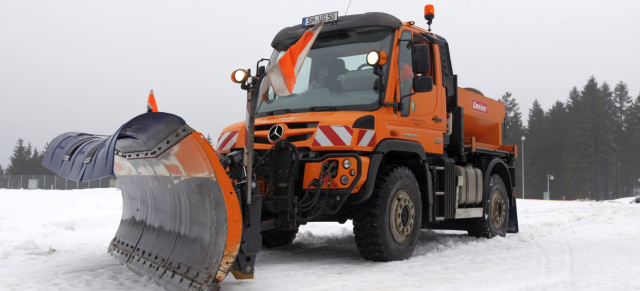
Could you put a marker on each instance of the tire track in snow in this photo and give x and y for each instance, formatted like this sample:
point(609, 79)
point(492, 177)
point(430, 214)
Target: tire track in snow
point(543, 259)
point(568, 259)
point(556, 258)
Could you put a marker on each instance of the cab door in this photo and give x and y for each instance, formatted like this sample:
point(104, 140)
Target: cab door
point(423, 112)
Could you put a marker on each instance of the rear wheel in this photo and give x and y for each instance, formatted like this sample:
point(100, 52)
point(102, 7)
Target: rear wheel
point(496, 212)
point(274, 238)
point(387, 226)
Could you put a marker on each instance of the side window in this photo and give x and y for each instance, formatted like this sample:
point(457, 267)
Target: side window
point(405, 71)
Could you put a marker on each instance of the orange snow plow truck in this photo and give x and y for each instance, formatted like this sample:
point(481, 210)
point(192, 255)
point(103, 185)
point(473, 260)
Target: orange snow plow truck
point(375, 130)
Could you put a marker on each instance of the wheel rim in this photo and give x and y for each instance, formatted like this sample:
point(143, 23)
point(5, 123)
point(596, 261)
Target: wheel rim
point(402, 216)
point(498, 210)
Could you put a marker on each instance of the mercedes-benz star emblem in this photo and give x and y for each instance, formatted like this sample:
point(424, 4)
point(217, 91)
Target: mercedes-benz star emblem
point(275, 133)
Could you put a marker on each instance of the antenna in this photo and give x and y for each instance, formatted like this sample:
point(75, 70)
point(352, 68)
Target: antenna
point(345, 13)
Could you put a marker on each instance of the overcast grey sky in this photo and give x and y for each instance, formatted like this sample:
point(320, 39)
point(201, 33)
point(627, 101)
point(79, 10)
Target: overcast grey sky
point(89, 65)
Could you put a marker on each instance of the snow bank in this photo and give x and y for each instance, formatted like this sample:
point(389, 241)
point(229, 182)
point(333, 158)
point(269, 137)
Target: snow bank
point(57, 240)
point(626, 200)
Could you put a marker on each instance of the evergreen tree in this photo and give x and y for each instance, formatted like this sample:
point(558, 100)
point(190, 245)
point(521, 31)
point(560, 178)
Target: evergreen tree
point(603, 122)
point(590, 135)
point(514, 131)
point(536, 168)
point(621, 102)
point(557, 126)
point(26, 160)
point(209, 139)
point(577, 149)
point(631, 144)
point(19, 161)
point(1, 170)
point(33, 163)
point(41, 170)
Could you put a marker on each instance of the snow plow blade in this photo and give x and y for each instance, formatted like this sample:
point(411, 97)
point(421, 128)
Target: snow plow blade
point(181, 221)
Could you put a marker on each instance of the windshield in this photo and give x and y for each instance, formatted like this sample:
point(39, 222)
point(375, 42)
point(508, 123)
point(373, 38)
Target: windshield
point(335, 74)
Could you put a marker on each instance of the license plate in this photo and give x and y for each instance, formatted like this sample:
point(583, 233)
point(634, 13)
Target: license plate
point(313, 20)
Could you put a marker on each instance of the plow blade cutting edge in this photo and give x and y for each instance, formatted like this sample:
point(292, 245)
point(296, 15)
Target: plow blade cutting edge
point(181, 221)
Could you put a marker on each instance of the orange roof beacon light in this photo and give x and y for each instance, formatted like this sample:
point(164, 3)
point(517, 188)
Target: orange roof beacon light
point(429, 14)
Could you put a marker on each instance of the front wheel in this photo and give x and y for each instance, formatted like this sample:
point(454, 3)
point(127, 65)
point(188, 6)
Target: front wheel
point(496, 212)
point(387, 226)
point(274, 238)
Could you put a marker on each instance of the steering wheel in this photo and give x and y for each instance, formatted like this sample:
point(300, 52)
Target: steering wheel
point(362, 66)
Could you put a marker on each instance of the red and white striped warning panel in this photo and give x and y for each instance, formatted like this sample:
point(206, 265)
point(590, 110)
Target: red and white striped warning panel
point(367, 138)
point(333, 135)
point(227, 140)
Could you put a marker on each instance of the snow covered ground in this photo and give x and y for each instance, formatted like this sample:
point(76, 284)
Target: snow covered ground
point(57, 240)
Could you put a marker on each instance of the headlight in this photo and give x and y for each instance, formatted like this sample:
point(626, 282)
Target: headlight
point(239, 76)
point(346, 164)
point(376, 58)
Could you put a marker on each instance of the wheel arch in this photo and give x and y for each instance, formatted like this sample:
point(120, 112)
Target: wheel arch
point(401, 152)
point(498, 166)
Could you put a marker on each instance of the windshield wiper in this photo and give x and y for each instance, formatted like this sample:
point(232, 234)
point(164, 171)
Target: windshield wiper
point(279, 111)
point(322, 108)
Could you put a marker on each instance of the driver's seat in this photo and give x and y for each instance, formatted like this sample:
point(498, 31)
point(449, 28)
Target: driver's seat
point(335, 68)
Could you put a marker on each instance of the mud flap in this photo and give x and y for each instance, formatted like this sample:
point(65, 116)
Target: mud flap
point(181, 221)
point(513, 226)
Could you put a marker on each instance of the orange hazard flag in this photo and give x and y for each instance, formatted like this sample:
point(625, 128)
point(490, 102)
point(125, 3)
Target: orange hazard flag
point(151, 103)
point(282, 74)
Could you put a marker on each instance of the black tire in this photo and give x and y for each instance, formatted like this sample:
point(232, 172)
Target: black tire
point(387, 226)
point(274, 238)
point(496, 210)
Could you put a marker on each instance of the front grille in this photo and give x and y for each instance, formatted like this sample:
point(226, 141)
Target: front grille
point(258, 139)
point(300, 137)
point(292, 125)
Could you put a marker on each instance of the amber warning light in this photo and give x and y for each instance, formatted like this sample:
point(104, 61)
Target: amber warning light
point(429, 14)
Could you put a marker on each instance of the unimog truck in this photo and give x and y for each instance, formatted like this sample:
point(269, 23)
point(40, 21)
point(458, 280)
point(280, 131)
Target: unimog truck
point(375, 130)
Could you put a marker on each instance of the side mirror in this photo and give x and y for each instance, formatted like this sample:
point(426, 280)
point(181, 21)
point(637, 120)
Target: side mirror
point(420, 58)
point(422, 84)
point(261, 71)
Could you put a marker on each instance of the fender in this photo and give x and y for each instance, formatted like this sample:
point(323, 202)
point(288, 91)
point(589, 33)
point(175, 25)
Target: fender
point(379, 153)
point(499, 167)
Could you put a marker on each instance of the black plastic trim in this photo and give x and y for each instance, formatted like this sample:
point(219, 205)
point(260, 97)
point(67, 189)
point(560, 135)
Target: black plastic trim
point(365, 122)
point(386, 146)
point(381, 150)
point(367, 188)
point(377, 19)
point(455, 148)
